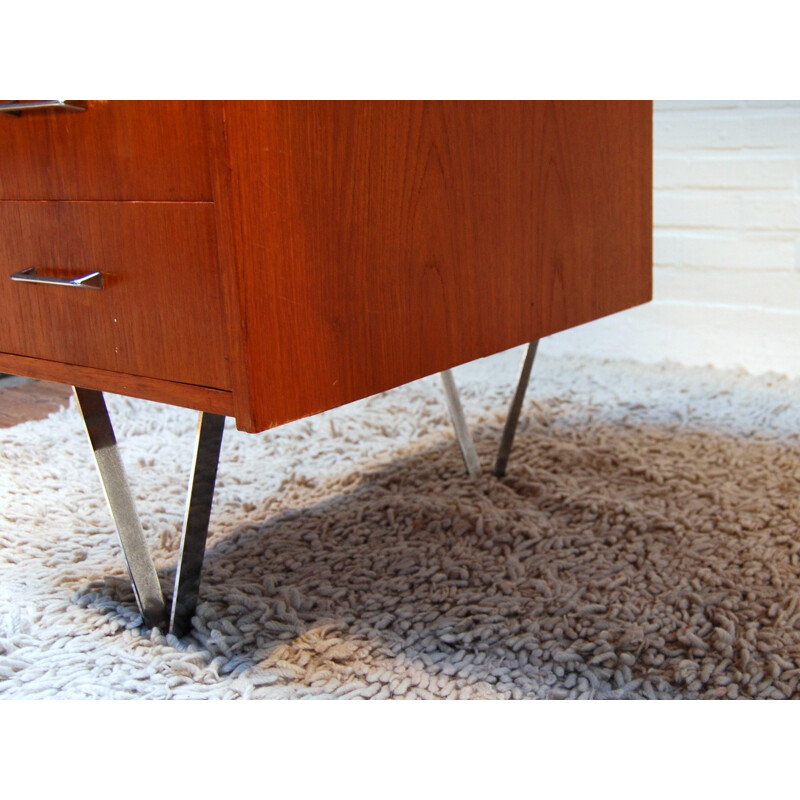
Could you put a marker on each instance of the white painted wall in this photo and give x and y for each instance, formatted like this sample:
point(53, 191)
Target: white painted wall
point(726, 243)
point(726, 201)
point(726, 179)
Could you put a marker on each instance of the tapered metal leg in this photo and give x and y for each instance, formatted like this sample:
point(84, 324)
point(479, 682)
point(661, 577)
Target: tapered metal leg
point(146, 586)
point(514, 410)
point(460, 424)
point(195, 525)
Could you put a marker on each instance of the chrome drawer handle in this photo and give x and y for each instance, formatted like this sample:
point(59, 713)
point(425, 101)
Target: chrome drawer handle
point(15, 107)
point(93, 280)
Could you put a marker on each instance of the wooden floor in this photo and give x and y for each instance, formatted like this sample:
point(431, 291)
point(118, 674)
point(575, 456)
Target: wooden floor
point(21, 401)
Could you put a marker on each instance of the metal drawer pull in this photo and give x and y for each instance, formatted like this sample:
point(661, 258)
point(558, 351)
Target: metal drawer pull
point(93, 280)
point(16, 107)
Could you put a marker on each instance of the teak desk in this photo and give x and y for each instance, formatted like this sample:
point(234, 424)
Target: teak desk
point(271, 260)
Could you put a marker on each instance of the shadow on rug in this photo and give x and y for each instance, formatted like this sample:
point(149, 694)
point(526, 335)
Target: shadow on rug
point(646, 543)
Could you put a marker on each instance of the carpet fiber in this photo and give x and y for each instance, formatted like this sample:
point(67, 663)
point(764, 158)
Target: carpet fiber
point(646, 543)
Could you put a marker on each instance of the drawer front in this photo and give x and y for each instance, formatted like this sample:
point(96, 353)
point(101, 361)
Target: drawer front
point(115, 150)
point(159, 313)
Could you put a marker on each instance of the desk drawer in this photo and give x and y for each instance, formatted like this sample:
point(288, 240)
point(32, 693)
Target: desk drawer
point(159, 313)
point(121, 150)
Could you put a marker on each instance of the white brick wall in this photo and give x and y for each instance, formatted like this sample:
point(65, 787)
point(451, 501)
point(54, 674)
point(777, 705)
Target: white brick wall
point(726, 287)
point(726, 180)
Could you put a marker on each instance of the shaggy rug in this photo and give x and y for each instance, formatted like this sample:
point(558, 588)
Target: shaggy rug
point(645, 544)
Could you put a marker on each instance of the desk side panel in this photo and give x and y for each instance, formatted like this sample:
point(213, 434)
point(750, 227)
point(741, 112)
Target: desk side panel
point(378, 242)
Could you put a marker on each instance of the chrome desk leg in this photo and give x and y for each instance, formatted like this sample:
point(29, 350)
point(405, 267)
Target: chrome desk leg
point(146, 586)
point(460, 424)
point(195, 525)
point(514, 410)
point(145, 581)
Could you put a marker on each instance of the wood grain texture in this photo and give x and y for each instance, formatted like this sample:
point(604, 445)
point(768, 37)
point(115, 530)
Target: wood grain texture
point(360, 244)
point(160, 313)
point(229, 275)
point(177, 394)
point(118, 150)
point(34, 400)
point(378, 242)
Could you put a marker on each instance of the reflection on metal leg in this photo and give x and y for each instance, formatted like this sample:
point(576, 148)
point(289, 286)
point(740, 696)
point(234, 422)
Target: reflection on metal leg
point(195, 525)
point(514, 410)
point(460, 424)
point(146, 586)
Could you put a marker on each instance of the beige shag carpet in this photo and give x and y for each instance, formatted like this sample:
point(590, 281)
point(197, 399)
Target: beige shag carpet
point(645, 544)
